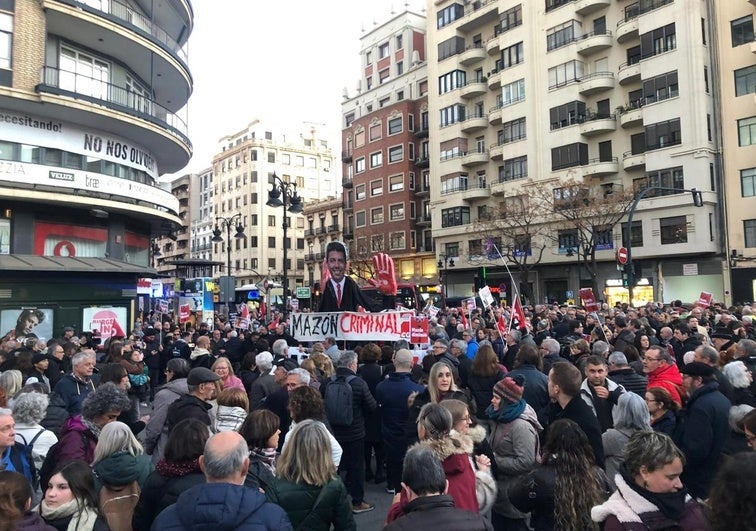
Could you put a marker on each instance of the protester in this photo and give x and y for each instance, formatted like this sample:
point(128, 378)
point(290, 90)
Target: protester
point(261, 432)
point(630, 415)
point(741, 379)
point(156, 431)
point(75, 386)
point(196, 403)
point(15, 504)
point(222, 367)
point(28, 411)
point(233, 406)
point(119, 458)
point(484, 374)
point(305, 403)
point(663, 410)
point(306, 485)
point(70, 501)
point(732, 503)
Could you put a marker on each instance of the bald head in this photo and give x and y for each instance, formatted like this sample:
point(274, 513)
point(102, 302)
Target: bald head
point(403, 360)
point(226, 458)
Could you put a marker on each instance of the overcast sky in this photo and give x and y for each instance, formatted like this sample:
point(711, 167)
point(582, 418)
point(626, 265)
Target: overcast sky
point(285, 60)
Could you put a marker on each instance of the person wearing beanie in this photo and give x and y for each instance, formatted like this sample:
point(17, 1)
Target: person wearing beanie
point(514, 440)
point(39, 362)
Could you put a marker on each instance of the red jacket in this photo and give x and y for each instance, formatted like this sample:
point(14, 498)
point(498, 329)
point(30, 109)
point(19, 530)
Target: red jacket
point(76, 442)
point(668, 377)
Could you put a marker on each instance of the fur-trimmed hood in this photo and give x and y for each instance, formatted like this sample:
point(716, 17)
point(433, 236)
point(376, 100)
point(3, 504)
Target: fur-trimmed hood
point(455, 443)
point(477, 433)
point(625, 504)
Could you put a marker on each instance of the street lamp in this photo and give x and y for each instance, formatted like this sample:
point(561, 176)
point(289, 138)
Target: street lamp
point(443, 265)
point(284, 194)
point(227, 283)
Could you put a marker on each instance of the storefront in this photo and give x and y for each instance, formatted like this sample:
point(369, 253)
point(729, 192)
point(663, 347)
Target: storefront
point(614, 292)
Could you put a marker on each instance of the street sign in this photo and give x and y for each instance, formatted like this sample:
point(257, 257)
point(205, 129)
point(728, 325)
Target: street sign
point(622, 255)
point(303, 292)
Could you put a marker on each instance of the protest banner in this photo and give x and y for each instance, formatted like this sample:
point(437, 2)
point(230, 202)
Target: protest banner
point(357, 326)
point(588, 299)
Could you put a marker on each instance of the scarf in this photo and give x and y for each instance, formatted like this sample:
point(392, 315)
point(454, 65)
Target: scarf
point(82, 517)
point(92, 427)
point(670, 504)
point(267, 457)
point(507, 413)
point(177, 469)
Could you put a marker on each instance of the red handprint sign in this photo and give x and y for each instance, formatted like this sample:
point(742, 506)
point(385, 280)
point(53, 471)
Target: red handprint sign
point(385, 274)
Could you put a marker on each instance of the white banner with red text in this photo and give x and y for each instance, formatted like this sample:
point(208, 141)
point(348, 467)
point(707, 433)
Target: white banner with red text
point(357, 326)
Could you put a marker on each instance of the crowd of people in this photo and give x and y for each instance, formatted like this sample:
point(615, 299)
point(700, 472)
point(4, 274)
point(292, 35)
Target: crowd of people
point(626, 418)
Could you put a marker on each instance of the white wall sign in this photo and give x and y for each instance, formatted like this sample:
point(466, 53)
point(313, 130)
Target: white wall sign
point(690, 269)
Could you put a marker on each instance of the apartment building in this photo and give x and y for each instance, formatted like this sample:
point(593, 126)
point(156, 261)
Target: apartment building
point(242, 176)
point(201, 225)
point(619, 95)
point(736, 56)
point(386, 174)
point(92, 98)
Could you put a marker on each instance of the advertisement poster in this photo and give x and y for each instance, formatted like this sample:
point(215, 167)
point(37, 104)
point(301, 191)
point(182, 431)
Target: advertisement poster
point(105, 322)
point(21, 323)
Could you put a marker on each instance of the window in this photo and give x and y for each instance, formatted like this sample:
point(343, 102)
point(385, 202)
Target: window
point(636, 234)
point(271, 221)
point(396, 212)
point(383, 76)
point(562, 35)
point(376, 159)
point(83, 73)
point(396, 154)
point(567, 114)
point(450, 47)
point(604, 238)
point(359, 165)
point(453, 217)
point(511, 18)
point(375, 132)
point(565, 73)
point(376, 216)
point(512, 55)
point(451, 250)
point(359, 192)
point(553, 4)
point(658, 41)
point(749, 232)
point(360, 219)
point(399, 42)
point(451, 81)
point(376, 187)
point(253, 220)
point(673, 230)
point(383, 50)
point(748, 182)
point(376, 242)
point(513, 92)
point(271, 156)
point(747, 131)
point(449, 14)
point(663, 134)
point(6, 40)
point(567, 240)
point(661, 87)
point(568, 156)
point(671, 178)
point(271, 263)
point(396, 183)
point(399, 72)
point(271, 242)
point(513, 169)
point(745, 80)
point(397, 240)
point(742, 30)
point(512, 131)
point(395, 126)
point(452, 114)
point(253, 241)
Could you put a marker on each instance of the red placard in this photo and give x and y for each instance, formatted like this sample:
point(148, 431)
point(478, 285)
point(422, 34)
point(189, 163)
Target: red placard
point(588, 299)
point(704, 300)
point(184, 313)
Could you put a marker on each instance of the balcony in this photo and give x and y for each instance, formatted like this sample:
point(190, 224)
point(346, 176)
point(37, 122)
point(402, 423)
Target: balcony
point(594, 42)
point(346, 156)
point(494, 115)
point(493, 45)
point(131, 115)
point(423, 191)
point(596, 124)
point(627, 29)
point(347, 206)
point(348, 233)
point(320, 230)
point(586, 7)
point(628, 73)
point(309, 233)
point(496, 151)
point(150, 42)
point(334, 227)
point(475, 189)
point(594, 83)
point(494, 80)
point(475, 158)
point(424, 219)
point(423, 131)
point(473, 54)
point(631, 117)
point(633, 161)
point(474, 123)
point(347, 181)
point(473, 89)
point(422, 161)
point(753, 47)
point(598, 167)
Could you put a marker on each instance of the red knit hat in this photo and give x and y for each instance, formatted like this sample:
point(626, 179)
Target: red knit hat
point(509, 389)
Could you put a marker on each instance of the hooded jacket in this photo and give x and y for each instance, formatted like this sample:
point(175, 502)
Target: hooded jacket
point(76, 441)
point(121, 469)
point(201, 357)
point(222, 507)
point(156, 431)
point(229, 418)
point(667, 377)
point(188, 407)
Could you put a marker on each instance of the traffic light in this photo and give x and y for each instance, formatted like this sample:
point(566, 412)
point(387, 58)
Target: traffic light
point(697, 198)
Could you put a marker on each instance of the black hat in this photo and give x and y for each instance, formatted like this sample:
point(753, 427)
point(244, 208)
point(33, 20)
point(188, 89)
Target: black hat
point(68, 329)
point(697, 368)
point(722, 333)
point(200, 375)
point(38, 358)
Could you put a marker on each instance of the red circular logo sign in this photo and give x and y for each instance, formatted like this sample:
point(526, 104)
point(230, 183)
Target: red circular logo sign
point(70, 250)
point(622, 255)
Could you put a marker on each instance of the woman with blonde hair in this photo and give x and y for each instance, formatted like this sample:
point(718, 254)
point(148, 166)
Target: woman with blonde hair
point(11, 382)
point(118, 458)
point(306, 484)
point(222, 367)
point(233, 406)
point(324, 364)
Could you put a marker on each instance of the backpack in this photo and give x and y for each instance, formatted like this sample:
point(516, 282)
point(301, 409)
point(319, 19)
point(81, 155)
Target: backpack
point(117, 505)
point(27, 453)
point(338, 400)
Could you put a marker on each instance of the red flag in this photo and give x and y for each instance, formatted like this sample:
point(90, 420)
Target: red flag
point(464, 319)
point(501, 324)
point(518, 317)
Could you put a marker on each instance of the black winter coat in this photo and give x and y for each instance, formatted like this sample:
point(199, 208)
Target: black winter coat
point(581, 413)
point(363, 404)
point(158, 492)
point(630, 380)
point(372, 373)
point(437, 512)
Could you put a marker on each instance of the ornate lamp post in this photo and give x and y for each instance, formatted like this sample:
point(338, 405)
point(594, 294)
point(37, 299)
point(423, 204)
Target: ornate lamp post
point(228, 282)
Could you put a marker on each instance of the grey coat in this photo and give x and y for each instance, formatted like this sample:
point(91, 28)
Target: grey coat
point(156, 431)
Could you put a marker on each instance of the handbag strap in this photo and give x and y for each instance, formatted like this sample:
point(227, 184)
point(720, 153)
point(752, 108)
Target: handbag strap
point(320, 497)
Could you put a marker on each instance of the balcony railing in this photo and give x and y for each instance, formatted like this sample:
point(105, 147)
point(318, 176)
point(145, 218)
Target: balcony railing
point(94, 90)
point(333, 228)
point(135, 20)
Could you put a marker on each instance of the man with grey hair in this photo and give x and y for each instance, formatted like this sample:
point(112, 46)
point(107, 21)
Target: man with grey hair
point(745, 351)
point(468, 335)
point(351, 436)
point(332, 349)
point(427, 505)
point(710, 356)
point(265, 384)
point(223, 502)
point(549, 351)
point(278, 401)
point(391, 395)
point(601, 348)
point(201, 385)
point(440, 352)
point(622, 374)
point(74, 387)
point(280, 350)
